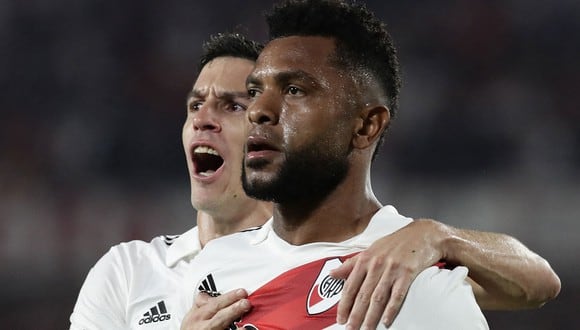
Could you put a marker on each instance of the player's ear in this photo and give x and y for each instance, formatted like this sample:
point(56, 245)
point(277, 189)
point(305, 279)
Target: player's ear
point(372, 121)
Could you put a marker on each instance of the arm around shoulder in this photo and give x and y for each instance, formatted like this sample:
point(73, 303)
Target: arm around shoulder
point(506, 273)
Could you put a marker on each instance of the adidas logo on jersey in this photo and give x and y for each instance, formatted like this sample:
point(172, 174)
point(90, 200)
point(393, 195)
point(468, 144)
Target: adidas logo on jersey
point(157, 313)
point(208, 286)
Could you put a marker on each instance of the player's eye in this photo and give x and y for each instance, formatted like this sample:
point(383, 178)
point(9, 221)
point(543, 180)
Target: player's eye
point(253, 93)
point(295, 91)
point(194, 106)
point(237, 107)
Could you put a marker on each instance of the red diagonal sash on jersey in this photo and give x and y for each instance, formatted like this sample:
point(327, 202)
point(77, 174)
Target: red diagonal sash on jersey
point(304, 297)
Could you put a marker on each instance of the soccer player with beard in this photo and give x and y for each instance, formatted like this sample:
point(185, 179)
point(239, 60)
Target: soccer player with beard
point(138, 284)
point(323, 94)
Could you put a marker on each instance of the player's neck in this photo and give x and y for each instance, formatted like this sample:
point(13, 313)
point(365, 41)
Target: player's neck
point(344, 213)
point(212, 225)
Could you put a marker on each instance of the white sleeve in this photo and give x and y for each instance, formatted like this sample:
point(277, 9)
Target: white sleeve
point(102, 299)
point(440, 299)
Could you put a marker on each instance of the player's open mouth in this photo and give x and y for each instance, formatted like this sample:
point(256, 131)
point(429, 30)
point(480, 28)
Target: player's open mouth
point(206, 160)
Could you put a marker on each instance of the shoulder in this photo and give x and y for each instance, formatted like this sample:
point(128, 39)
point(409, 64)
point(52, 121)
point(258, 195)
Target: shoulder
point(123, 256)
point(106, 292)
point(438, 282)
point(116, 265)
point(441, 299)
point(389, 213)
point(138, 248)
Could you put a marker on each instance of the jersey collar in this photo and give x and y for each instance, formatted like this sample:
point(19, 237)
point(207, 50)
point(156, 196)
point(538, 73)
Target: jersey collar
point(186, 245)
point(386, 217)
point(262, 232)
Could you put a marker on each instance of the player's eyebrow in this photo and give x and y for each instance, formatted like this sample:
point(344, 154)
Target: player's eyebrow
point(285, 77)
point(226, 95)
point(193, 94)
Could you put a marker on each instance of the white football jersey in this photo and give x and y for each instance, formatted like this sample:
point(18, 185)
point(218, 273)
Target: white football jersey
point(290, 286)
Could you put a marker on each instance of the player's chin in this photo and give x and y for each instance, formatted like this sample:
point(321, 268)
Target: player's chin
point(255, 164)
point(259, 185)
point(259, 171)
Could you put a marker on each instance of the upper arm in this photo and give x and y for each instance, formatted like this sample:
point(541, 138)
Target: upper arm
point(483, 298)
point(488, 301)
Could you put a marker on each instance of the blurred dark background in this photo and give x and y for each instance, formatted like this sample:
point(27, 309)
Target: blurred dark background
point(93, 99)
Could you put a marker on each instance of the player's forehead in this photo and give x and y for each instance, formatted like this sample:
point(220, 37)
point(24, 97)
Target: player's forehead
point(225, 75)
point(308, 55)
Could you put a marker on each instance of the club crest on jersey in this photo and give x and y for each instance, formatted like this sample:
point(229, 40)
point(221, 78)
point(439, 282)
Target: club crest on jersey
point(326, 290)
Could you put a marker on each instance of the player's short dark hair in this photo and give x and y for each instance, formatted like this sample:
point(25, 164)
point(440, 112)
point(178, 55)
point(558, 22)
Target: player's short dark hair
point(229, 44)
point(363, 44)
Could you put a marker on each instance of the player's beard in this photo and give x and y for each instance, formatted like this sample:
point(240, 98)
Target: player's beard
point(306, 176)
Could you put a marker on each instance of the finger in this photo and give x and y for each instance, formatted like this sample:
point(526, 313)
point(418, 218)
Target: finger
point(398, 294)
point(363, 298)
point(379, 298)
point(349, 292)
point(345, 269)
point(216, 304)
point(201, 299)
point(221, 320)
point(226, 316)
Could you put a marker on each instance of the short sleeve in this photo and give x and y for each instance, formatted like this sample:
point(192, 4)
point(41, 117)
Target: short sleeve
point(102, 298)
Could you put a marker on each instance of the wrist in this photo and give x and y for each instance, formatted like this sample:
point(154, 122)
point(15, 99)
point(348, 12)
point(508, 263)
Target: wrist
point(456, 246)
point(448, 242)
point(439, 237)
